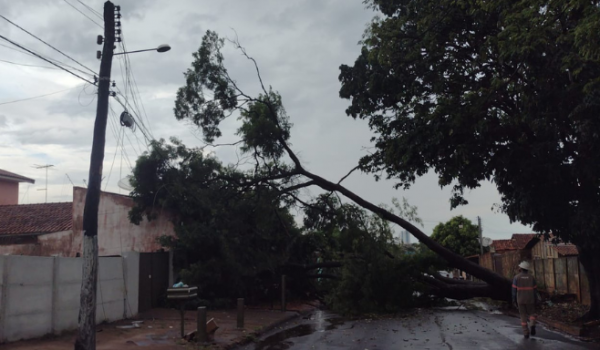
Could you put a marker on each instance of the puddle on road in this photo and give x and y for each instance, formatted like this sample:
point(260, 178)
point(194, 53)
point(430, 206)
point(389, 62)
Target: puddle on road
point(281, 340)
point(278, 341)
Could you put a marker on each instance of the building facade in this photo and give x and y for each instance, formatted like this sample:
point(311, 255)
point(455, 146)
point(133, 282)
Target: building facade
point(56, 229)
point(9, 187)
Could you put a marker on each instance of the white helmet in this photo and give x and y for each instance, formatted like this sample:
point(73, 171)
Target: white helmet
point(524, 265)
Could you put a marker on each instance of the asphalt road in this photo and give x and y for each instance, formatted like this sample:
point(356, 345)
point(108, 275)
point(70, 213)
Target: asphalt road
point(427, 329)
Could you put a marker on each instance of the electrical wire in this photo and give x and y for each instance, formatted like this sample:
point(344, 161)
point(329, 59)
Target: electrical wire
point(27, 65)
point(39, 96)
point(115, 133)
point(135, 90)
point(45, 59)
point(86, 16)
point(51, 59)
point(119, 141)
point(79, 97)
point(98, 14)
point(54, 48)
point(142, 127)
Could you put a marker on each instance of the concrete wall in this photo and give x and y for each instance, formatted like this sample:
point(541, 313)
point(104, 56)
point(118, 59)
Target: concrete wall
point(116, 234)
point(40, 295)
point(9, 192)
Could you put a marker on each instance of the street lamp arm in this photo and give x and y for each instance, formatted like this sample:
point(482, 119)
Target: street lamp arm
point(160, 48)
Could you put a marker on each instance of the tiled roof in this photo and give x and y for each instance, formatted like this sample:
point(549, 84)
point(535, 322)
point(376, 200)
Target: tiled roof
point(14, 177)
point(566, 250)
point(521, 240)
point(35, 218)
point(503, 244)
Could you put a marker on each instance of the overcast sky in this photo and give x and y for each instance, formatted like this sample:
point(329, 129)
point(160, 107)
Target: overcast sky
point(298, 44)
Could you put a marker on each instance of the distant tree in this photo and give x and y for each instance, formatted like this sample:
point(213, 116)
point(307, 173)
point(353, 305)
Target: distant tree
point(506, 91)
point(459, 235)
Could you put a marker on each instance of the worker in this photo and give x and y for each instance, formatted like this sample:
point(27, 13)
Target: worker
point(524, 296)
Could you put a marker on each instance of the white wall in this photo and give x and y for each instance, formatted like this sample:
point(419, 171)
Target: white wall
point(40, 295)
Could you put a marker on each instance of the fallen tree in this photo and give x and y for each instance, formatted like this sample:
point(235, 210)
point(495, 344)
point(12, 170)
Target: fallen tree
point(265, 130)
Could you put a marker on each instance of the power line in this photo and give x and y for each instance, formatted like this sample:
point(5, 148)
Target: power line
point(119, 141)
point(27, 65)
point(45, 59)
point(51, 59)
point(34, 97)
point(86, 16)
point(20, 51)
point(55, 49)
point(98, 14)
point(135, 91)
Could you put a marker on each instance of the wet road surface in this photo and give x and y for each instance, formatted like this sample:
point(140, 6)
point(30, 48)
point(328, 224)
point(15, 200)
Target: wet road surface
point(427, 329)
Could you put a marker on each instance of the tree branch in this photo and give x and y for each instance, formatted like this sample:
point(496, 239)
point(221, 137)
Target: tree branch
point(298, 186)
point(350, 172)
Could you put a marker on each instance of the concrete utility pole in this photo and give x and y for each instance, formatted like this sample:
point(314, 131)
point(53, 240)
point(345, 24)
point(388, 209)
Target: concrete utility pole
point(480, 236)
point(86, 337)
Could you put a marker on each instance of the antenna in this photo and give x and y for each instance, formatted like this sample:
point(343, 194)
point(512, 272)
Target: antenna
point(486, 241)
point(71, 181)
point(125, 183)
point(44, 167)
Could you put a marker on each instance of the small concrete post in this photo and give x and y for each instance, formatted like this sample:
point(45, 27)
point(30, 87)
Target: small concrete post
point(182, 312)
point(240, 313)
point(201, 335)
point(282, 293)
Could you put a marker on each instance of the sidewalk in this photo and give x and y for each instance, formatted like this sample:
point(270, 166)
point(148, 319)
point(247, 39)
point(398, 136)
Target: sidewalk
point(161, 330)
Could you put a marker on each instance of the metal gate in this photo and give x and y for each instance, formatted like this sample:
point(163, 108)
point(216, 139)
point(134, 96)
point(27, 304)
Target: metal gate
point(154, 279)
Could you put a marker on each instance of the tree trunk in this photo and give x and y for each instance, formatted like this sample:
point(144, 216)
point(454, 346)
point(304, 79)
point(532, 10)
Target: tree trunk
point(464, 291)
point(502, 285)
point(590, 259)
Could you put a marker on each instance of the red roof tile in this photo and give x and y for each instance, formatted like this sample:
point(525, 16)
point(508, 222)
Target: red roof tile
point(14, 177)
point(35, 218)
point(521, 240)
point(566, 250)
point(503, 244)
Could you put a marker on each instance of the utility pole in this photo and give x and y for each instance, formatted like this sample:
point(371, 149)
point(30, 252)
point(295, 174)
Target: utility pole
point(480, 236)
point(86, 337)
point(44, 167)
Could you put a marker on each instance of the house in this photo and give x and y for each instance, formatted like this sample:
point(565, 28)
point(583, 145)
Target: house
point(56, 229)
point(506, 254)
point(9, 187)
point(519, 242)
point(36, 229)
point(545, 249)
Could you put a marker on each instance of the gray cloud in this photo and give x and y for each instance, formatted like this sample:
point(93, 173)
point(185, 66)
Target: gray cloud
point(299, 46)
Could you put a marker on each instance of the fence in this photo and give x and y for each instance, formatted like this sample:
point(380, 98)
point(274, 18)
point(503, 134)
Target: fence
point(505, 264)
point(560, 275)
point(40, 295)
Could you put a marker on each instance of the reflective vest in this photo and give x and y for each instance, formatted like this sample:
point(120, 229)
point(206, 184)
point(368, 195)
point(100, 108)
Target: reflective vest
point(525, 287)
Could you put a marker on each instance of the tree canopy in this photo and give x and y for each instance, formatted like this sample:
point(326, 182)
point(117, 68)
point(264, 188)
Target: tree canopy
point(505, 91)
point(270, 165)
point(230, 241)
point(459, 235)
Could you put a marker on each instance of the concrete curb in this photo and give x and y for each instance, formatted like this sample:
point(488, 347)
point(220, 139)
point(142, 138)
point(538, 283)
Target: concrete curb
point(247, 338)
point(583, 333)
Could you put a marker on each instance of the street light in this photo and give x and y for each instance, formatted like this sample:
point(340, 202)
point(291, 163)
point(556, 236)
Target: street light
point(160, 48)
